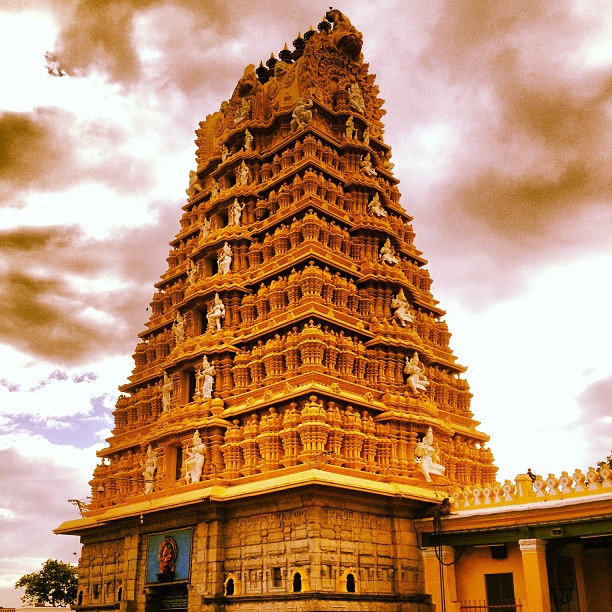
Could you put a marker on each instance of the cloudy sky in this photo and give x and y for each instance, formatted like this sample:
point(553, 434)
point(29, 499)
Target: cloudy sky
point(499, 118)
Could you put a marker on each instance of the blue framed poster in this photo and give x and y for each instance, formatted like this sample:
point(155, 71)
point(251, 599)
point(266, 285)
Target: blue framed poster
point(169, 556)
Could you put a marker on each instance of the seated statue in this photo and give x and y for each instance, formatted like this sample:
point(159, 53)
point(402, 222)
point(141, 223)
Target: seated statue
point(387, 254)
point(417, 381)
point(427, 456)
point(356, 101)
point(244, 112)
point(302, 114)
point(375, 206)
point(401, 309)
point(194, 184)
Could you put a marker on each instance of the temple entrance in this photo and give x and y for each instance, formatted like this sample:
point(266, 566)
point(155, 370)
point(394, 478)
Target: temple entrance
point(168, 599)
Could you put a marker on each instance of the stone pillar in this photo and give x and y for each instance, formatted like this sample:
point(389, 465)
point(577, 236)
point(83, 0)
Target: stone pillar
point(575, 550)
point(533, 552)
point(433, 574)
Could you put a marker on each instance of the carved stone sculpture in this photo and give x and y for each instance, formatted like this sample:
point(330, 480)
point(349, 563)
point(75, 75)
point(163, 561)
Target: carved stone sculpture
point(214, 189)
point(192, 273)
point(216, 312)
point(166, 388)
point(205, 379)
point(194, 184)
point(356, 101)
point(417, 381)
point(244, 112)
point(248, 141)
point(194, 463)
point(224, 260)
point(150, 466)
point(205, 229)
point(235, 213)
point(244, 174)
point(366, 166)
point(427, 456)
point(401, 309)
point(350, 128)
point(375, 206)
point(302, 114)
point(387, 253)
point(179, 328)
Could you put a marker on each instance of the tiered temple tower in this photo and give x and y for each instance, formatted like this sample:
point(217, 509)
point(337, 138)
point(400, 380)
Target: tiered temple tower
point(294, 403)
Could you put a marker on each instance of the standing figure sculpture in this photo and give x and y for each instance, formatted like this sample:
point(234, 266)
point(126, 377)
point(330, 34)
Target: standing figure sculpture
point(387, 254)
point(244, 174)
point(356, 100)
point(401, 309)
point(214, 189)
point(224, 260)
point(248, 141)
point(417, 381)
point(350, 128)
point(179, 328)
point(192, 273)
point(195, 459)
point(235, 212)
point(427, 456)
point(205, 229)
point(366, 136)
point(205, 379)
point(166, 389)
point(224, 153)
point(150, 466)
point(302, 114)
point(216, 312)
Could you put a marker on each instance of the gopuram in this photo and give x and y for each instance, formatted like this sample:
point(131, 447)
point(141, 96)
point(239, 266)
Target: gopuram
point(294, 404)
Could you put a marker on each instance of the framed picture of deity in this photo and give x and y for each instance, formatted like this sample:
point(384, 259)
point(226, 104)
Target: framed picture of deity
point(169, 556)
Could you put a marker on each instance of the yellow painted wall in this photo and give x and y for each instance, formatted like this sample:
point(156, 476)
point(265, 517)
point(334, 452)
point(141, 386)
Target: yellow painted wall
point(474, 563)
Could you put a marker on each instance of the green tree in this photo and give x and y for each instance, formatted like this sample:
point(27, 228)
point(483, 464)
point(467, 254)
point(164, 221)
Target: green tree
point(56, 584)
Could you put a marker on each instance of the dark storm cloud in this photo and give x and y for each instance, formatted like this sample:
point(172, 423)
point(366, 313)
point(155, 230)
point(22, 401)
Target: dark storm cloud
point(44, 314)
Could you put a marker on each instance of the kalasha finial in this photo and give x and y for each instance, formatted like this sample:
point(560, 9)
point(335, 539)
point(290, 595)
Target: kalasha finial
point(262, 73)
point(308, 35)
point(285, 55)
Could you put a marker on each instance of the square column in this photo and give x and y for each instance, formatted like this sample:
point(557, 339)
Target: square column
point(434, 571)
point(533, 553)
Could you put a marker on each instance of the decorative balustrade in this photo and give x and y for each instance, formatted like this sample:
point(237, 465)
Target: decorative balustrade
point(525, 490)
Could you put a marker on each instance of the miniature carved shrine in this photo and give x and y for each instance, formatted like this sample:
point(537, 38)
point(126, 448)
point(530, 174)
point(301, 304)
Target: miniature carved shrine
point(294, 402)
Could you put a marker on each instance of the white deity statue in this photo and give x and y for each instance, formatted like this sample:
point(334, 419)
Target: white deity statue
point(427, 456)
point(205, 379)
point(166, 389)
point(179, 328)
point(150, 466)
point(235, 213)
point(356, 101)
point(194, 184)
point(375, 206)
point(244, 112)
point(195, 459)
point(248, 141)
point(417, 381)
point(387, 254)
point(401, 309)
point(224, 260)
point(366, 166)
point(244, 174)
point(216, 312)
point(214, 189)
point(192, 273)
point(205, 228)
point(302, 114)
point(350, 128)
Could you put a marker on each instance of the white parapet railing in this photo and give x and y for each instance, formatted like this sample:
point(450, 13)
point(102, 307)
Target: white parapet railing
point(527, 488)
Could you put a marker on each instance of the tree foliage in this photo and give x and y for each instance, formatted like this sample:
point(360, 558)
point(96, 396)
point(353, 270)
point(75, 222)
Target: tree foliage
point(55, 584)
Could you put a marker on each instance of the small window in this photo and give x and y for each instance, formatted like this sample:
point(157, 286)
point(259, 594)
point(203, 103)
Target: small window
point(277, 578)
point(96, 591)
point(80, 599)
point(230, 587)
point(499, 552)
point(119, 593)
point(297, 582)
point(500, 592)
point(350, 583)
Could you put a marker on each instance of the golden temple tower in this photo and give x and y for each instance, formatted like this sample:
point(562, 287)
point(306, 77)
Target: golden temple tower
point(294, 403)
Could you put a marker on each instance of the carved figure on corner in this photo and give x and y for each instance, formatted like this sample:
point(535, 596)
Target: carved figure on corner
point(150, 466)
point(302, 114)
point(194, 184)
point(366, 166)
point(427, 456)
point(195, 459)
point(401, 309)
point(417, 381)
point(350, 128)
point(375, 206)
point(387, 253)
point(224, 260)
point(216, 312)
